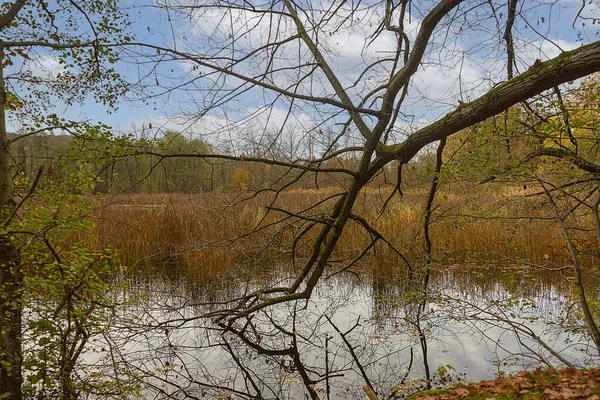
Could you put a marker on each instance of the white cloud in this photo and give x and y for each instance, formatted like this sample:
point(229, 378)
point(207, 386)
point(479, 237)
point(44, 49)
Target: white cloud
point(259, 132)
point(541, 49)
point(466, 58)
point(344, 39)
point(45, 67)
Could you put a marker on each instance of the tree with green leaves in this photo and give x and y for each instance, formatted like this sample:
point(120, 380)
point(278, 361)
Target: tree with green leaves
point(50, 52)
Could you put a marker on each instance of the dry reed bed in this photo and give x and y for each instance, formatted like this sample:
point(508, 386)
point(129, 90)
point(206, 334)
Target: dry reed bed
point(211, 233)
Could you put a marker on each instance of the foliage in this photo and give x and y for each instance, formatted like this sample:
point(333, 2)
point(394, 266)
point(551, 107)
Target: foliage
point(548, 168)
point(57, 51)
point(52, 53)
point(241, 179)
point(66, 293)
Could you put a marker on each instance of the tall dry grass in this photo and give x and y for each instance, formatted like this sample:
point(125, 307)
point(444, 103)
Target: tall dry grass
point(215, 233)
point(210, 234)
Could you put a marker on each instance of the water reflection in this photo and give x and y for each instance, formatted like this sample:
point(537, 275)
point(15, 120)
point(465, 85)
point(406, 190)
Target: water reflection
point(357, 329)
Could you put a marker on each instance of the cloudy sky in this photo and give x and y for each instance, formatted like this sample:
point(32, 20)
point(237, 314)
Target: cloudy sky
point(465, 58)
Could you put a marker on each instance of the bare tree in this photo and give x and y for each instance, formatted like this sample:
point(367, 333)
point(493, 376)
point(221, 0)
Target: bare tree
point(290, 55)
point(361, 83)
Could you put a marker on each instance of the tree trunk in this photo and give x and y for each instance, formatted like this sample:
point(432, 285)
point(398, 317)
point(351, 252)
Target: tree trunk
point(11, 278)
point(10, 320)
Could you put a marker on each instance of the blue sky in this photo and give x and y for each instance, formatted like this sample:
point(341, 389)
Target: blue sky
point(466, 58)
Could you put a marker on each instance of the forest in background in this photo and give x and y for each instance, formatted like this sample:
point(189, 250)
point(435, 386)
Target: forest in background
point(553, 138)
point(314, 170)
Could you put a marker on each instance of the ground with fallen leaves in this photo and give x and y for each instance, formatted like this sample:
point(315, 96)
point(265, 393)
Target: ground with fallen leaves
point(539, 384)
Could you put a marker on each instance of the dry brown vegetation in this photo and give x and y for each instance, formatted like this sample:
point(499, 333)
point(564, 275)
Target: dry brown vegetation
point(212, 232)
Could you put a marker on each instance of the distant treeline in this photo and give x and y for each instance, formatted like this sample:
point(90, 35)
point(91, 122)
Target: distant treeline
point(133, 165)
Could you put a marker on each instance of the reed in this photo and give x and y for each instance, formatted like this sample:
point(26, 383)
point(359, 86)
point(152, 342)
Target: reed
point(234, 234)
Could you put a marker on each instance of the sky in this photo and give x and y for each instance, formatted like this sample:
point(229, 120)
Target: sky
point(466, 58)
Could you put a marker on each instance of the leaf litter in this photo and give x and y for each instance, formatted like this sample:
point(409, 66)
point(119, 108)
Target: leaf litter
point(540, 384)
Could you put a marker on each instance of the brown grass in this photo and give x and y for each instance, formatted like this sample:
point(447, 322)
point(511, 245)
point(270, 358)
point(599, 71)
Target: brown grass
point(215, 232)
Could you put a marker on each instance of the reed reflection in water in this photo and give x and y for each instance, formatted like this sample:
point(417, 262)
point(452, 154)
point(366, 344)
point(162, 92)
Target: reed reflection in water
point(357, 329)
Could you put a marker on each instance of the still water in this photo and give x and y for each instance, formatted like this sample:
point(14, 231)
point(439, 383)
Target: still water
point(372, 329)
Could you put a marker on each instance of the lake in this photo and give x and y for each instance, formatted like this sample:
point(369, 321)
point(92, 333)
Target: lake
point(362, 328)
